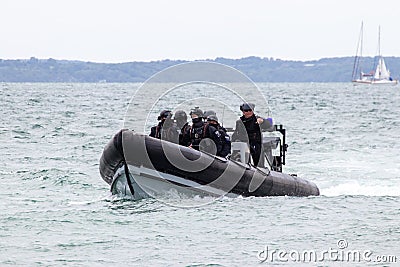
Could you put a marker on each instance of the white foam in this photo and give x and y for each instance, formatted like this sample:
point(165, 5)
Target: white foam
point(355, 188)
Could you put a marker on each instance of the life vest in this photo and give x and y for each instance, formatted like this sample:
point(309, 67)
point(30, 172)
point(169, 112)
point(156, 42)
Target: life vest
point(197, 134)
point(216, 134)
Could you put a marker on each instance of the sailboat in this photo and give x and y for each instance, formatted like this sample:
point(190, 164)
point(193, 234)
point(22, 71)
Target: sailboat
point(380, 73)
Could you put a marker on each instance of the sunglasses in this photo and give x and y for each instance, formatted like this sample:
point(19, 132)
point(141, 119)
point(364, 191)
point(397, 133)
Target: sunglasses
point(247, 110)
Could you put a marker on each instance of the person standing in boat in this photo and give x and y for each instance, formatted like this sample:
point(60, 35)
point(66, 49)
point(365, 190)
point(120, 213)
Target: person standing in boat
point(248, 129)
point(164, 129)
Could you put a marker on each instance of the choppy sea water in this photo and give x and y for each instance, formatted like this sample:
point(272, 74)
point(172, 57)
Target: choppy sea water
point(57, 211)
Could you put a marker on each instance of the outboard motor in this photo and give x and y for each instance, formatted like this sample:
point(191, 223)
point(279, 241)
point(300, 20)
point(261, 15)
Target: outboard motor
point(274, 149)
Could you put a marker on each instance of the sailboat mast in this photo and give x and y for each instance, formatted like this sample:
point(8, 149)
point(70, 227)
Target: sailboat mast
point(379, 41)
point(379, 69)
point(359, 51)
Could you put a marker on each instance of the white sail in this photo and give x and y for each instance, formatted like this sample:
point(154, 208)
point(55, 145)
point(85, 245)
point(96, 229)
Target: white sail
point(383, 71)
point(378, 70)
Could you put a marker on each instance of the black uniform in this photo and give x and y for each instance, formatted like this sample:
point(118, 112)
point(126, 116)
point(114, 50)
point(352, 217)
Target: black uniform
point(184, 129)
point(155, 131)
point(165, 130)
point(224, 139)
point(205, 137)
point(194, 134)
point(248, 130)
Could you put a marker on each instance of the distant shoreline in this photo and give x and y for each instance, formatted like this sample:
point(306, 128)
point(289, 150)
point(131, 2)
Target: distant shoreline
point(258, 69)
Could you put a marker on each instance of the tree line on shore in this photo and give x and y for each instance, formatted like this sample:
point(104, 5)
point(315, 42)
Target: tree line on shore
point(258, 69)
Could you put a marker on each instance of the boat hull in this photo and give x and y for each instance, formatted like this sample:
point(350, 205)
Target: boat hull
point(145, 184)
point(376, 82)
point(152, 168)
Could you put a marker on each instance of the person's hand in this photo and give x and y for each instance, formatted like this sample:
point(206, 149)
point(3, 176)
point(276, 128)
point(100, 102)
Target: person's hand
point(260, 120)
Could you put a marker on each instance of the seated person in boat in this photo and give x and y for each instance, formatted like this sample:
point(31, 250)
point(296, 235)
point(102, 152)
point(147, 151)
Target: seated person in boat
point(208, 113)
point(165, 129)
point(248, 129)
point(181, 124)
point(203, 136)
point(223, 142)
point(194, 133)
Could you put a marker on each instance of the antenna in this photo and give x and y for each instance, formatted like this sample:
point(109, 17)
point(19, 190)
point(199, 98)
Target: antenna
point(223, 113)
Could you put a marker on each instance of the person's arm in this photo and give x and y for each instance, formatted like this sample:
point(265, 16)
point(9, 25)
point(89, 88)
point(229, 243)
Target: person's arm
point(186, 136)
point(266, 124)
point(226, 145)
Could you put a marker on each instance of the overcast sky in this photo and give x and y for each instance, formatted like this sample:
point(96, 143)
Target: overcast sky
point(145, 30)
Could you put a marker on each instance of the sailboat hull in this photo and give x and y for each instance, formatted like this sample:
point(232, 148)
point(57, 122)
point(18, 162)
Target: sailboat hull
point(376, 82)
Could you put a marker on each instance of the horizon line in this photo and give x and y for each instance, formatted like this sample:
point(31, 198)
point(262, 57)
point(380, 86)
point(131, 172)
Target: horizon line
point(180, 60)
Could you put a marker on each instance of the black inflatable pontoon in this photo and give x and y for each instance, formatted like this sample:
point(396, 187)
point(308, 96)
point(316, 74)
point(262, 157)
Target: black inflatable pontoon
point(156, 166)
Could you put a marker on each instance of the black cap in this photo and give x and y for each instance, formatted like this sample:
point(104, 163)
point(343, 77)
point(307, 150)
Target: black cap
point(164, 114)
point(180, 114)
point(247, 106)
point(212, 118)
point(208, 113)
point(197, 111)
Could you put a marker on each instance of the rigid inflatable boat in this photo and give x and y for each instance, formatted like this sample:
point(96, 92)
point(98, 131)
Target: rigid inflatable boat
point(155, 167)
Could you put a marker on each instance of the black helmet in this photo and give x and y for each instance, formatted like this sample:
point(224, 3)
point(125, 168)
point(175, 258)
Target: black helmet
point(212, 118)
point(180, 115)
point(208, 113)
point(197, 111)
point(247, 106)
point(164, 114)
